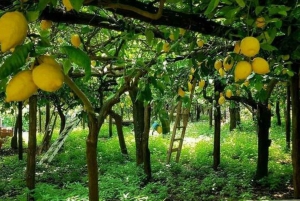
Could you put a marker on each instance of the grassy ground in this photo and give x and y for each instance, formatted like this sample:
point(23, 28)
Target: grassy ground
point(65, 178)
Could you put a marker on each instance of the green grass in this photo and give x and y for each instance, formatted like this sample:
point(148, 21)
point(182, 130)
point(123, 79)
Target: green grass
point(65, 178)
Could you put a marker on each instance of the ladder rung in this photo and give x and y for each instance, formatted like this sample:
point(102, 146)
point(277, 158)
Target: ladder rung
point(176, 139)
point(175, 149)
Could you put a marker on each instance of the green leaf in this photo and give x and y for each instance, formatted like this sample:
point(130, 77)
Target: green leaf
point(32, 16)
point(267, 47)
point(149, 36)
point(3, 84)
point(259, 9)
point(15, 61)
point(76, 4)
point(241, 3)
point(42, 4)
point(78, 57)
point(67, 65)
point(211, 6)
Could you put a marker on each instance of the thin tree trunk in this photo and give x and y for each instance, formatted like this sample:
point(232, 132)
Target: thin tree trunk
point(217, 136)
point(210, 114)
point(146, 151)
point(295, 130)
point(61, 116)
point(238, 113)
point(118, 120)
point(277, 110)
point(233, 117)
point(40, 120)
point(263, 124)
point(14, 139)
point(288, 118)
point(31, 160)
point(20, 131)
point(110, 133)
point(47, 119)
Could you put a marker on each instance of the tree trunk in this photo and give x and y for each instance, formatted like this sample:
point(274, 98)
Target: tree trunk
point(198, 114)
point(233, 117)
point(146, 151)
point(238, 113)
point(210, 115)
point(295, 130)
point(288, 118)
point(20, 131)
point(118, 120)
point(91, 155)
point(47, 119)
point(40, 120)
point(31, 162)
point(263, 125)
point(14, 139)
point(277, 110)
point(61, 116)
point(110, 133)
point(138, 123)
point(217, 138)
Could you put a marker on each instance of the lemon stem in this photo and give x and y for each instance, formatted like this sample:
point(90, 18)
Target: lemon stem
point(80, 94)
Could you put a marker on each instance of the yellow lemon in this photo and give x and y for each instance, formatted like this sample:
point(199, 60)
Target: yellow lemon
point(180, 92)
point(172, 37)
point(250, 46)
point(93, 63)
point(269, 106)
point(166, 47)
point(242, 70)
point(237, 48)
point(68, 5)
point(221, 100)
point(260, 66)
point(218, 64)
point(45, 24)
point(75, 40)
point(192, 71)
point(20, 87)
point(200, 43)
point(228, 93)
point(48, 60)
point(159, 129)
point(228, 63)
point(190, 77)
point(182, 31)
point(260, 22)
point(202, 83)
point(48, 77)
point(13, 30)
point(190, 86)
point(222, 72)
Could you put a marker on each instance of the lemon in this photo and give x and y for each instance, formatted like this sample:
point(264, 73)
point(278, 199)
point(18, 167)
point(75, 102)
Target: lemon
point(172, 37)
point(269, 106)
point(48, 77)
point(285, 57)
point(237, 48)
point(20, 87)
point(221, 100)
point(13, 30)
point(159, 129)
point(222, 72)
point(182, 31)
point(242, 70)
point(218, 64)
point(75, 40)
point(260, 66)
point(68, 5)
point(200, 43)
point(166, 47)
point(202, 83)
point(180, 92)
point(228, 63)
point(45, 24)
point(192, 71)
point(260, 22)
point(228, 93)
point(190, 86)
point(48, 60)
point(190, 77)
point(250, 46)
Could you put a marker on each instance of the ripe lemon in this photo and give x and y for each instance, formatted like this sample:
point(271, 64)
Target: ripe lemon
point(13, 30)
point(242, 70)
point(159, 129)
point(45, 24)
point(48, 77)
point(260, 22)
point(182, 31)
point(192, 71)
point(222, 72)
point(228, 93)
point(190, 86)
point(190, 77)
point(68, 5)
point(166, 47)
point(221, 100)
point(75, 40)
point(20, 87)
point(202, 83)
point(172, 37)
point(237, 48)
point(48, 60)
point(180, 92)
point(250, 46)
point(228, 63)
point(200, 43)
point(260, 66)
point(218, 64)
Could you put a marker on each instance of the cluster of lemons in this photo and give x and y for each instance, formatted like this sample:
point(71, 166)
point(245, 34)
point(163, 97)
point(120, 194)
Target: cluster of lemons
point(47, 76)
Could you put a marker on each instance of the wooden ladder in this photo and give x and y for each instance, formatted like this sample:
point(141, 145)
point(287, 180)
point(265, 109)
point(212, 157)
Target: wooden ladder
point(180, 124)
